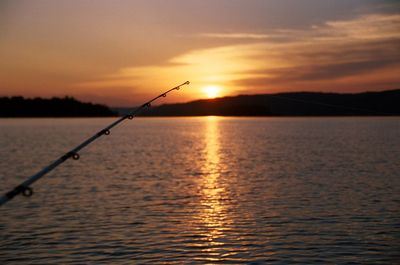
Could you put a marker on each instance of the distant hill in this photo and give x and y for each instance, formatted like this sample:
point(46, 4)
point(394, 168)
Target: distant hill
point(383, 103)
point(54, 107)
point(288, 104)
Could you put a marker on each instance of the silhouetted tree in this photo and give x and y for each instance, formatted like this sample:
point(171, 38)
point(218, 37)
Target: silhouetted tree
point(54, 107)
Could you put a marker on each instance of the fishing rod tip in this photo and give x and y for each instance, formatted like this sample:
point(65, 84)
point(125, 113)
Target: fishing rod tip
point(186, 83)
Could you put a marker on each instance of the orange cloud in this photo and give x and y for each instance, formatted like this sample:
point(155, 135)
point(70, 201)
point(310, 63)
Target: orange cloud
point(351, 55)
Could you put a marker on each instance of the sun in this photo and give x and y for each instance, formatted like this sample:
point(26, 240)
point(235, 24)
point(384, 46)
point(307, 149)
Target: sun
point(211, 91)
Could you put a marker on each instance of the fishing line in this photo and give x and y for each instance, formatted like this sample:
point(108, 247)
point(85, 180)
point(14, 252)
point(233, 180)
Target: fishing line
point(25, 188)
point(370, 111)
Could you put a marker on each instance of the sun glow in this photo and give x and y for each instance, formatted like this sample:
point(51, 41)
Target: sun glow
point(212, 91)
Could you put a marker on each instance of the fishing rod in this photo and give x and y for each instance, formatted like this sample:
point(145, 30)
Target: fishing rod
point(25, 188)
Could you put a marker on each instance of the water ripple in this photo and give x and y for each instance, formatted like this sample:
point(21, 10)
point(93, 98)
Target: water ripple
point(204, 191)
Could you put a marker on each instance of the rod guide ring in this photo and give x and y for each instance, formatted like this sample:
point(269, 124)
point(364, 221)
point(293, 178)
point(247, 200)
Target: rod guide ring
point(27, 192)
point(75, 156)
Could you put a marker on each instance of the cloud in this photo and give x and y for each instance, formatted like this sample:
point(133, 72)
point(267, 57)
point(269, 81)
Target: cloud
point(338, 50)
point(253, 36)
point(348, 55)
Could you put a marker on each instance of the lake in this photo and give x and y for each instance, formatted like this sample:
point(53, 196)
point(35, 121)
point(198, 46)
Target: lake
point(204, 190)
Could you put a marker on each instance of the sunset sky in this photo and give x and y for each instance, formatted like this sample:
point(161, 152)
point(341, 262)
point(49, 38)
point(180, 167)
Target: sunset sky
point(123, 52)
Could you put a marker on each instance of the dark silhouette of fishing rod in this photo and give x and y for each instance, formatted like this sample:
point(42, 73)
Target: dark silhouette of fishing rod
point(25, 188)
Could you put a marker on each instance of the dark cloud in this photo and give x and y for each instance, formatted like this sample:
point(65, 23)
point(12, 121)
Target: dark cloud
point(325, 62)
point(325, 72)
point(333, 71)
point(385, 6)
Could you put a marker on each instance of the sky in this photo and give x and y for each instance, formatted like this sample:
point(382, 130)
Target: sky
point(121, 53)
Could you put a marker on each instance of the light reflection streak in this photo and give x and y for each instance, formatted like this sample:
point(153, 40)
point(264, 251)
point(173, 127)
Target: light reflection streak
point(213, 215)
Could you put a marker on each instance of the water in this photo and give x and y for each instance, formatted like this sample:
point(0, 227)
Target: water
point(204, 191)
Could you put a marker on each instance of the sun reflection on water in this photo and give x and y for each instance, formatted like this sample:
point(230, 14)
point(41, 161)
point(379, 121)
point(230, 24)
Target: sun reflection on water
point(214, 214)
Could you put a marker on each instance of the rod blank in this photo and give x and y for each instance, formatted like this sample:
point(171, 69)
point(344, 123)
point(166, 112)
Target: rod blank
point(25, 188)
